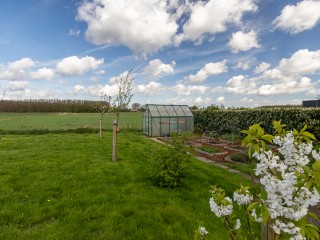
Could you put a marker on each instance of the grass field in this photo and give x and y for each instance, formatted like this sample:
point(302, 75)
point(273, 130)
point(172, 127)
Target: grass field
point(65, 186)
point(63, 121)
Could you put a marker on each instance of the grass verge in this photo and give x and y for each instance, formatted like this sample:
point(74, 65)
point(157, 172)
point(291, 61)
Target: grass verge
point(66, 187)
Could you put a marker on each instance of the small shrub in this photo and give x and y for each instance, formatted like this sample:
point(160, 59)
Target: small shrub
point(172, 163)
point(240, 157)
point(210, 149)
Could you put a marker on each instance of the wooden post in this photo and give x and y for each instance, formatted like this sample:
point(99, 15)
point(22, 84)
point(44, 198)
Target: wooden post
point(114, 146)
point(267, 232)
point(100, 125)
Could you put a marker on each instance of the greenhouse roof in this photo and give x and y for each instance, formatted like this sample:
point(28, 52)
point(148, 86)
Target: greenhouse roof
point(169, 110)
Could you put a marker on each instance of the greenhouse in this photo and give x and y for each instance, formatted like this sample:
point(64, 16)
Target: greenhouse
point(163, 120)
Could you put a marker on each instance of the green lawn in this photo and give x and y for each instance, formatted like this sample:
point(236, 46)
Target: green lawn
point(65, 186)
point(62, 121)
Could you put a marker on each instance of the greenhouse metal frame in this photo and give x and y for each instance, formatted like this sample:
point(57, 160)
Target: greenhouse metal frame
point(163, 120)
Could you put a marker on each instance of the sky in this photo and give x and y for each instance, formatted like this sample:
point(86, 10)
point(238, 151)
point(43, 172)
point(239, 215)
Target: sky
point(238, 53)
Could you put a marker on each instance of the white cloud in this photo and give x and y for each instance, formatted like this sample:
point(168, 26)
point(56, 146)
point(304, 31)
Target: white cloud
point(246, 100)
point(155, 68)
point(243, 65)
point(190, 101)
point(73, 32)
point(113, 80)
point(218, 89)
point(202, 101)
point(21, 64)
point(301, 62)
point(79, 88)
point(100, 72)
point(74, 65)
point(261, 67)
point(17, 86)
point(213, 16)
point(144, 26)
point(287, 78)
point(241, 85)
point(96, 90)
point(295, 86)
point(208, 70)
point(149, 89)
point(241, 41)
point(220, 99)
point(42, 74)
point(181, 89)
point(297, 18)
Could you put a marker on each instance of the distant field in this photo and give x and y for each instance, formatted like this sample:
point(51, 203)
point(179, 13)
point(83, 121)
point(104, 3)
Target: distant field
point(64, 121)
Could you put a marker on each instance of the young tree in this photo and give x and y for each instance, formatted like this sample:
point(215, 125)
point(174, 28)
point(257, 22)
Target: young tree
point(123, 98)
point(103, 107)
point(120, 103)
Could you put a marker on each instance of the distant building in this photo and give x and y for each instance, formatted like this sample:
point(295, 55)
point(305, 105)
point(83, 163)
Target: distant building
point(311, 103)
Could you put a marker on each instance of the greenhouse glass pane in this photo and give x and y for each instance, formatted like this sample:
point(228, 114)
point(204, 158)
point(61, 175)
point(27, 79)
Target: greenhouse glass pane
point(162, 110)
point(153, 110)
point(187, 111)
point(179, 111)
point(171, 111)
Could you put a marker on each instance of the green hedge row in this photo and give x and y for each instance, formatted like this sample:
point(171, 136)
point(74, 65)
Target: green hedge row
point(233, 121)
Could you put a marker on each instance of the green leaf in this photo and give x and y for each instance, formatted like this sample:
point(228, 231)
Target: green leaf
point(264, 214)
point(252, 206)
point(303, 129)
point(264, 194)
point(313, 215)
point(306, 169)
point(267, 137)
point(309, 135)
point(316, 172)
point(308, 184)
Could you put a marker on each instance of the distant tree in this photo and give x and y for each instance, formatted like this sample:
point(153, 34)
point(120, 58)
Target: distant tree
point(194, 108)
point(213, 107)
point(2, 101)
point(136, 106)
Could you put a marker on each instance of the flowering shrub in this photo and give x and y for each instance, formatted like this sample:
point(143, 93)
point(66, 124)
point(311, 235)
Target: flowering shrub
point(289, 181)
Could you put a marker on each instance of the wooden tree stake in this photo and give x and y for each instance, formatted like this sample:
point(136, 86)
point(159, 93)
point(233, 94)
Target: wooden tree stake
point(114, 145)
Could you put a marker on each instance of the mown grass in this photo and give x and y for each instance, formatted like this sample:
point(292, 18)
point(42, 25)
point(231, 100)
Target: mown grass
point(25, 122)
point(65, 186)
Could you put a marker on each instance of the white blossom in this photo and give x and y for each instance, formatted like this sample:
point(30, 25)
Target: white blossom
point(289, 228)
point(238, 224)
point(221, 210)
point(279, 178)
point(242, 198)
point(287, 201)
point(254, 215)
point(203, 231)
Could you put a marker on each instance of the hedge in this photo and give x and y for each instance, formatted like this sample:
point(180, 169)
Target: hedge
point(233, 121)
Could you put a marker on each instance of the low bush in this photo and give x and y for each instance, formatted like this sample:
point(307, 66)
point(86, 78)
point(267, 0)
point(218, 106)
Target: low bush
point(172, 164)
point(209, 149)
point(240, 157)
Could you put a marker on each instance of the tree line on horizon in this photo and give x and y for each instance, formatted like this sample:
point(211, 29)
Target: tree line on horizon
point(49, 105)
